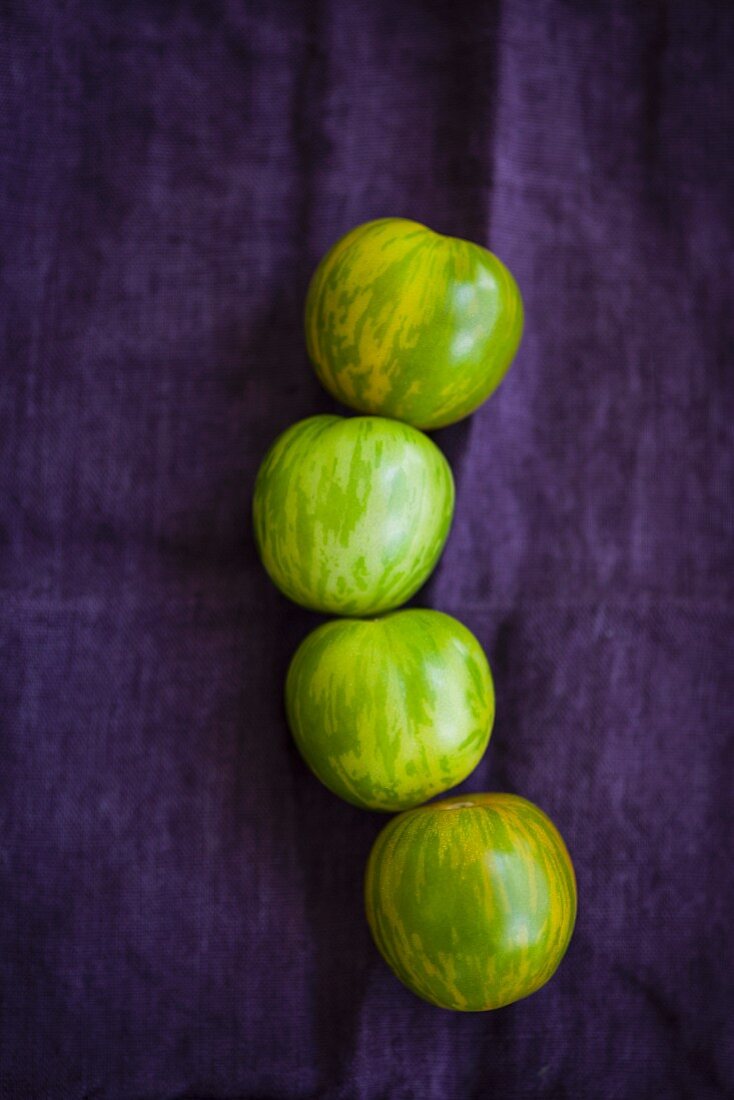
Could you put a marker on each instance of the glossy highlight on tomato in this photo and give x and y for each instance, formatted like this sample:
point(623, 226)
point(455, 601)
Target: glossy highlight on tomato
point(389, 712)
point(471, 900)
point(405, 322)
point(351, 514)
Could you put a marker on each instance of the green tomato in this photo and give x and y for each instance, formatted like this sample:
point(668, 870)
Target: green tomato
point(472, 900)
point(388, 712)
point(405, 322)
point(351, 515)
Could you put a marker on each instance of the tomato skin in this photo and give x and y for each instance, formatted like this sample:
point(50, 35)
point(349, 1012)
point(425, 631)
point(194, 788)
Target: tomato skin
point(404, 322)
point(471, 900)
point(351, 514)
point(389, 712)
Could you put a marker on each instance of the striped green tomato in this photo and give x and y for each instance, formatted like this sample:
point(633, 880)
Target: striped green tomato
point(388, 712)
point(351, 515)
point(407, 323)
point(471, 900)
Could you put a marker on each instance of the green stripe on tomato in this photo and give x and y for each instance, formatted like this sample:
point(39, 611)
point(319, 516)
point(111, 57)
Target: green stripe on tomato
point(471, 900)
point(389, 712)
point(408, 323)
point(351, 515)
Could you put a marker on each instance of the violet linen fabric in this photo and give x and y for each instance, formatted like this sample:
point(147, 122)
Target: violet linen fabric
point(180, 900)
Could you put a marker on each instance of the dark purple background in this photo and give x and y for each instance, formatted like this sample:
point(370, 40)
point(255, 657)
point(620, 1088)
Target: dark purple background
point(180, 902)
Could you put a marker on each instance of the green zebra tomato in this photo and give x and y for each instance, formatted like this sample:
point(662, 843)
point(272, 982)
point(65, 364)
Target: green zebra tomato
point(407, 323)
point(472, 900)
point(388, 712)
point(351, 515)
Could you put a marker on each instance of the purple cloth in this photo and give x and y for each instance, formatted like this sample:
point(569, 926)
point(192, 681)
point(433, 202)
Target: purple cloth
point(180, 901)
